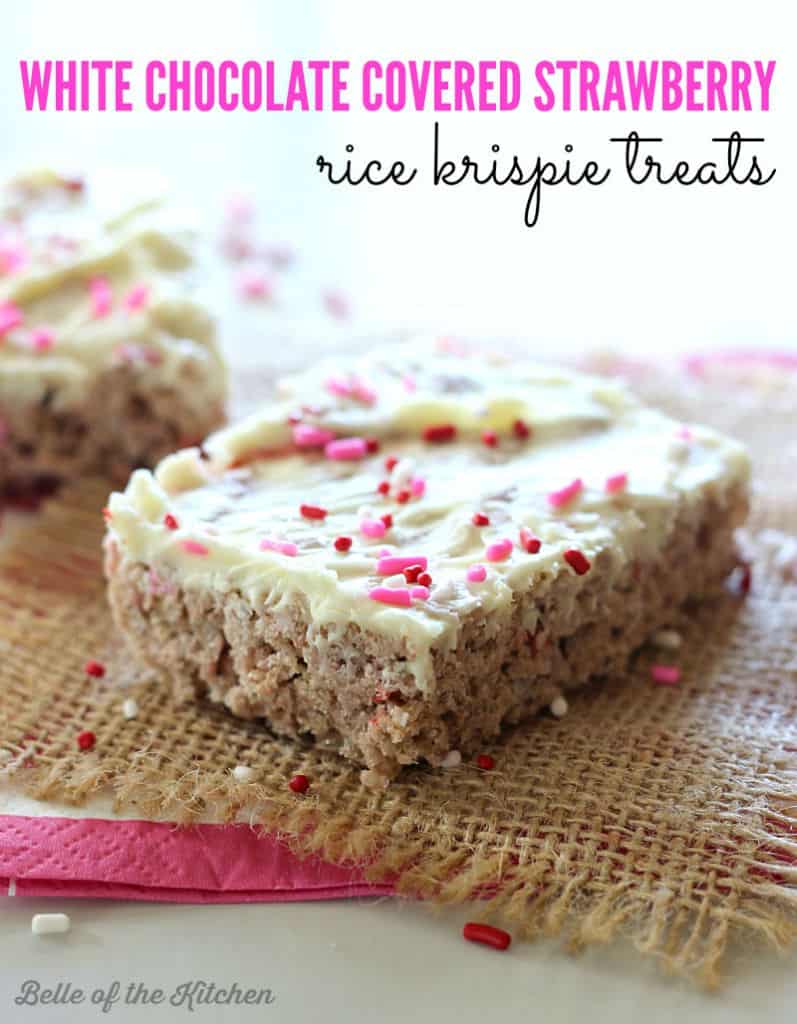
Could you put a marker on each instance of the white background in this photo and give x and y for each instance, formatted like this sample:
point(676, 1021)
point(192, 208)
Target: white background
point(644, 269)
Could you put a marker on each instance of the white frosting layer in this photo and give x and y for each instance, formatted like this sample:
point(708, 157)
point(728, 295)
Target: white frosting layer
point(99, 277)
point(248, 484)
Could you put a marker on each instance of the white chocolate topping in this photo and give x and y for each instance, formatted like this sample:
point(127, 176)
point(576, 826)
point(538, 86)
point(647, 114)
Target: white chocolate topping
point(97, 283)
point(237, 504)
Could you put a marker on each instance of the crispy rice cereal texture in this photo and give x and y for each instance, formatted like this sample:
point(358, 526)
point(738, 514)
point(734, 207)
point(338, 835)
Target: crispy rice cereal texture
point(107, 362)
point(665, 813)
point(476, 588)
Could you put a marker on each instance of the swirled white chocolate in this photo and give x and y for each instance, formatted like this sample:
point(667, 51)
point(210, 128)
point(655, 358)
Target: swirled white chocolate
point(236, 504)
point(96, 278)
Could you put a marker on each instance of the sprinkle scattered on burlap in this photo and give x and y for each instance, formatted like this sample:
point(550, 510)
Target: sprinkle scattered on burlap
point(665, 812)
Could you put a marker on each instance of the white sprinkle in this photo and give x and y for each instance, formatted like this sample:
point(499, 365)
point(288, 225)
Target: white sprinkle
point(558, 707)
point(130, 708)
point(668, 638)
point(243, 773)
point(50, 924)
point(452, 759)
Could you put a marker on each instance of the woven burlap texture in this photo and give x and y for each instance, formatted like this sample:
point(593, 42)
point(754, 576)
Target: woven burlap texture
point(668, 813)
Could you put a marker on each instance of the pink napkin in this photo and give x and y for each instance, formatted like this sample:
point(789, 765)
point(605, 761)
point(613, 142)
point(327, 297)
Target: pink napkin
point(143, 860)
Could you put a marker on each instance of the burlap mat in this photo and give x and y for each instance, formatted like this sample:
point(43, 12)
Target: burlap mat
point(666, 813)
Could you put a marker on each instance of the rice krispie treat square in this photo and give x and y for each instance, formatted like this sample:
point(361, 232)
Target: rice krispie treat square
point(399, 557)
point(107, 362)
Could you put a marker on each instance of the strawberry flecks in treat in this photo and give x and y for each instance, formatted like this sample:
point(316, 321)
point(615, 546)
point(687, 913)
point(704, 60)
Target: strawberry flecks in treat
point(615, 484)
point(283, 547)
point(170, 522)
point(346, 449)
point(86, 740)
point(387, 696)
point(480, 519)
point(499, 551)
point(487, 935)
point(100, 296)
point(564, 496)
point(486, 762)
point(299, 784)
point(528, 541)
point(392, 564)
point(521, 430)
point(336, 305)
point(94, 668)
point(668, 675)
point(372, 528)
point(42, 339)
point(307, 436)
point(253, 284)
point(440, 433)
point(10, 317)
point(312, 512)
point(420, 593)
point(490, 438)
point(343, 544)
point(476, 574)
point(577, 561)
point(136, 298)
point(391, 595)
point(194, 547)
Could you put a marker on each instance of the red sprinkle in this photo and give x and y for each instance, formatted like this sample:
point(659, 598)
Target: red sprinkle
point(521, 430)
point(490, 438)
point(480, 519)
point(371, 445)
point(528, 541)
point(86, 740)
point(299, 784)
point(577, 561)
point(424, 580)
point(486, 935)
point(387, 519)
point(440, 433)
point(94, 668)
point(403, 497)
point(170, 522)
point(342, 543)
point(412, 572)
point(485, 762)
point(390, 463)
point(313, 512)
point(383, 487)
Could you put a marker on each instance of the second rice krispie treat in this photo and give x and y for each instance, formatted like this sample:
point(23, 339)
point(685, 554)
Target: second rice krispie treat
point(401, 556)
point(107, 361)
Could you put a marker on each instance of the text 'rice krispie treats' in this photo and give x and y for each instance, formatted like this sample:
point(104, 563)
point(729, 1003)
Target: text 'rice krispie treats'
point(395, 559)
point(106, 362)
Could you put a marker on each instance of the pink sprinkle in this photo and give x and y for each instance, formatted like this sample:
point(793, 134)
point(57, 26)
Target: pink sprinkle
point(12, 257)
point(476, 574)
point(137, 297)
point(336, 305)
point(563, 497)
point(363, 392)
point(338, 386)
point(193, 547)
point(101, 296)
point(667, 674)
point(684, 434)
point(253, 284)
point(42, 339)
point(346, 449)
point(420, 593)
point(305, 436)
point(239, 207)
point(390, 595)
point(398, 563)
point(284, 547)
point(499, 551)
point(374, 528)
point(418, 487)
point(616, 483)
point(408, 383)
point(10, 317)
